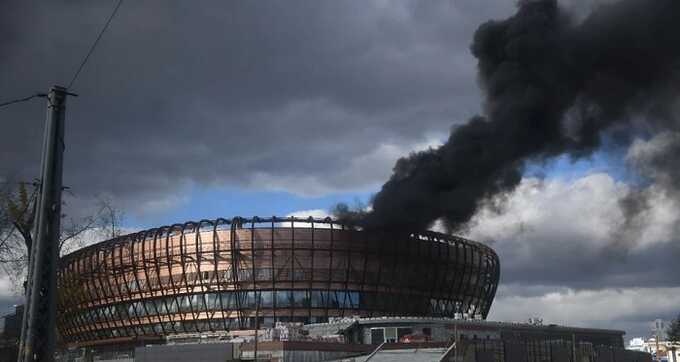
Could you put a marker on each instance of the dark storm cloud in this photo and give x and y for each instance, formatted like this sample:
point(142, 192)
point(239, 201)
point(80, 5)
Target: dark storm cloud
point(575, 264)
point(222, 93)
point(178, 93)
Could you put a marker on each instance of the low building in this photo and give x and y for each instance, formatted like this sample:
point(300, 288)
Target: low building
point(388, 339)
point(665, 349)
point(426, 339)
point(405, 329)
point(10, 331)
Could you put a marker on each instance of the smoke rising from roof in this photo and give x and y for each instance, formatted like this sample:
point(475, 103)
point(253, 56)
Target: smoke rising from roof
point(552, 86)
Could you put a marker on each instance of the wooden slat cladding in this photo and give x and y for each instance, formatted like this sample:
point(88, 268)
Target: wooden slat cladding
point(218, 274)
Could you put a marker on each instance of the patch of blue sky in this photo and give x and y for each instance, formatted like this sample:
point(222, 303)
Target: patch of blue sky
point(566, 168)
point(228, 202)
point(213, 202)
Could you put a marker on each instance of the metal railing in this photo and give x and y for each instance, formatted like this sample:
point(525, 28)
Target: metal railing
point(375, 351)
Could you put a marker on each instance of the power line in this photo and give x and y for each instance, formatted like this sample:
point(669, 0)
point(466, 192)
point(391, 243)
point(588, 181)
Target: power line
point(42, 95)
point(82, 64)
point(19, 182)
point(94, 45)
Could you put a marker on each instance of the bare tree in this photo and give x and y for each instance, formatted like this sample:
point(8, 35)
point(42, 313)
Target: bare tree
point(109, 219)
point(17, 216)
point(17, 213)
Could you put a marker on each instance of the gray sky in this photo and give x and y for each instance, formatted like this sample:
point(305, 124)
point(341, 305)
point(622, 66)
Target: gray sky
point(221, 92)
point(313, 98)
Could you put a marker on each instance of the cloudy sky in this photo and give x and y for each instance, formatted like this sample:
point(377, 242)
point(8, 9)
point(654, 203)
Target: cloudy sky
point(261, 108)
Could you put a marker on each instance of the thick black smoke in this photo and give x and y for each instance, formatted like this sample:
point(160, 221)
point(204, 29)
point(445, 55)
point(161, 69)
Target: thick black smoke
point(552, 86)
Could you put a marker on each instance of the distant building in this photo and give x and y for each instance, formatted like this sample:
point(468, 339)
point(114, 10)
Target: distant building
point(636, 344)
point(402, 338)
point(10, 331)
point(649, 345)
point(404, 329)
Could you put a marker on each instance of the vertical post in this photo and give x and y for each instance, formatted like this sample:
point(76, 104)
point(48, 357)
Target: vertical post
point(38, 335)
point(258, 295)
point(455, 341)
point(657, 342)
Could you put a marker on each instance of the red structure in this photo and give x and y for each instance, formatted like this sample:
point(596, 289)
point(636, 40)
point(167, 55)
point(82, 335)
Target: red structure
point(217, 275)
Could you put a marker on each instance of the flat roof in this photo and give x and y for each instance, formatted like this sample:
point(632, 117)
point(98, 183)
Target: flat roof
point(346, 322)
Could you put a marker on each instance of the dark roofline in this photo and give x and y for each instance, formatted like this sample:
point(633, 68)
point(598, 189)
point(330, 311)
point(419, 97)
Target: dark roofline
point(481, 323)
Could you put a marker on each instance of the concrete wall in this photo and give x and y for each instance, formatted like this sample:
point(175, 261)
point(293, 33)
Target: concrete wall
point(561, 354)
point(515, 352)
point(204, 352)
point(303, 351)
point(314, 356)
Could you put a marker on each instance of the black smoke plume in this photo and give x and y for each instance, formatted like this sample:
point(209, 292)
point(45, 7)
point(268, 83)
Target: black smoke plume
point(553, 85)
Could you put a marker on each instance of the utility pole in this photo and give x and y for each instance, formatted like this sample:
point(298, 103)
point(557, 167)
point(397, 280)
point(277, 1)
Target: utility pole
point(38, 332)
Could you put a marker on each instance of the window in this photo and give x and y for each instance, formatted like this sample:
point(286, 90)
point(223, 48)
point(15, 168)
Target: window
point(131, 310)
point(299, 274)
point(317, 298)
point(172, 305)
point(334, 299)
point(403, 332)
point(150, 306)
point(390, 335)
point(263, 274)
point(157, 328)
point(245, 275)
point(228, 301)
point(249, 300)
point(198, 302)
point(185, 303)
point(353, 300)
point(377, 335)
point(284, 299)
point(266, 299)
point(211, 301)
point(300, 298)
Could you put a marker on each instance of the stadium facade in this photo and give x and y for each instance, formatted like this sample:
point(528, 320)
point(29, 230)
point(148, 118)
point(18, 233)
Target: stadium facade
point(219, 275)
